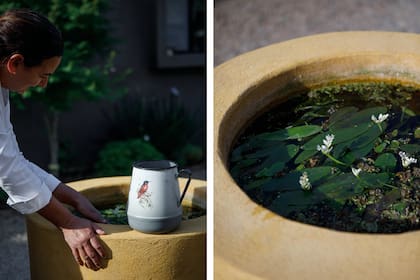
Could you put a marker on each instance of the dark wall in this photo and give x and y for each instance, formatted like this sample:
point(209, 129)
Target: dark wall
point(84, 129)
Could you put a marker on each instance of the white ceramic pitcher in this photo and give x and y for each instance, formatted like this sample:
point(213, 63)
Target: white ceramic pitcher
point(154, 200)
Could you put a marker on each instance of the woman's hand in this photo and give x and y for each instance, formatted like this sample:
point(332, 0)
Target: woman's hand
point(81, 236)
point(86, 208)
point(71, 197)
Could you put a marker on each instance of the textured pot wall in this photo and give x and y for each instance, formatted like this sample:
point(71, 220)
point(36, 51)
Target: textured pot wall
point(252, 242)
point(133, 255)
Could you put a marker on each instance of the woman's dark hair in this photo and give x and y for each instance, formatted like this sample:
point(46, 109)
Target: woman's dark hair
point(26, 32)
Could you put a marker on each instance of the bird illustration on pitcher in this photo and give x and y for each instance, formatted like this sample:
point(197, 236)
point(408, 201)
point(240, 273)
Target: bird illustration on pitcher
point(144, 196)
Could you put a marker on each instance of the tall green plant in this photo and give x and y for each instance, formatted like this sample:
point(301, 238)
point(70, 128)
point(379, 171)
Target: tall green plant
point(86, 70)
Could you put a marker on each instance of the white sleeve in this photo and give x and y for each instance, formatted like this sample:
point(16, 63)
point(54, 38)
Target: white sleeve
point(50, 181)
point(27, 187)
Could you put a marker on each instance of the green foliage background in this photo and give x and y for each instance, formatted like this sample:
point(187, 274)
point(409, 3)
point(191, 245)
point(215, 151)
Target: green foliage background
point(117, 157)
point(86, 66)
point(86, 71)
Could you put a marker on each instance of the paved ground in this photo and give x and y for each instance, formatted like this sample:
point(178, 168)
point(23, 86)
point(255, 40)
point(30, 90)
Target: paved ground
point(14, 262)
point(241, 26)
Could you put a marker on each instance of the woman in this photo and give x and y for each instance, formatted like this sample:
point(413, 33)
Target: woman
point(31, 48)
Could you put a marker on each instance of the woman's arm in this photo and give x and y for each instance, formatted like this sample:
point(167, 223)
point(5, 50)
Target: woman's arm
point(80, 234)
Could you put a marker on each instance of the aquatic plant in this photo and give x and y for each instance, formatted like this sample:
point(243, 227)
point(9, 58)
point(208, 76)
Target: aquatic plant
point(348, 160)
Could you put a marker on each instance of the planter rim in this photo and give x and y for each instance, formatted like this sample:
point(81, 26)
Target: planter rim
point(239, 78)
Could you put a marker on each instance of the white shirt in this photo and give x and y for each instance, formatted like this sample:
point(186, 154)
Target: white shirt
point(28, 186)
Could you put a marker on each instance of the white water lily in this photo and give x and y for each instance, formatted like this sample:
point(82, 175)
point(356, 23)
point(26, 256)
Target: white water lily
point(304, 182)
point(356, 171)
point(406, 159)
point(380, 118)
point(326, 148)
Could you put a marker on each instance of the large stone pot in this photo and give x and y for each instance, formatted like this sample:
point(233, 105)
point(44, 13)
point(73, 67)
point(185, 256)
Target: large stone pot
point(250, 241)
point(180, 254)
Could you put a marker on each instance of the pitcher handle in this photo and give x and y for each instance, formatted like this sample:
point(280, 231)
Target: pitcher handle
point(189, 173)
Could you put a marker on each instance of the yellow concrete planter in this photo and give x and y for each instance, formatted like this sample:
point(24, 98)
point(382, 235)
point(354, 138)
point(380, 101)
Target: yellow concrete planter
point(178, 255)
point(250, 241)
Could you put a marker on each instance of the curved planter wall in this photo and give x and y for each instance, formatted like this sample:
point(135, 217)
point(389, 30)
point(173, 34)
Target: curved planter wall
point(180, 254)
point(250, 241)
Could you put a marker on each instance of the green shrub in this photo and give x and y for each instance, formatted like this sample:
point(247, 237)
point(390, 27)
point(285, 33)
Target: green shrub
point(117, 157)
point(189, 155)
point(169, 126)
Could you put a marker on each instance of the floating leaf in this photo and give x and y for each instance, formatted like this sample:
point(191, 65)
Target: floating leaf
point(290, 181)
point(314, 142)
point(341, 114)
point(348, 133)
point(271, 170)
point(386, 162)
point(318, 174)
point(399, 207)
point(254, 184)
point(380, 148)
point(394, 144)
point(349, 137)
point(357, 153)
point(411, 149)
point(238, 168)
point(278, 135)
point(351, 120)
point(373, 180)
point(251, 145)
point(276, 158)
point(342, 135)
point(304, 155)
point(288, 202)
point(303, 131)
point(339, 188)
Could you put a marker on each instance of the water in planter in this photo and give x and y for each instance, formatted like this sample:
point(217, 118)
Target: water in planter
point(117, 214)
point(344, 157)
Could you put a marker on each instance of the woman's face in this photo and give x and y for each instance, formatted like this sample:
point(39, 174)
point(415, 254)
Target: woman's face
point(22, 78)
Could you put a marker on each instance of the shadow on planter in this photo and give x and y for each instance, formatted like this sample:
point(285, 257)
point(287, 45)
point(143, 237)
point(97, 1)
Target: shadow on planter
point(180, 254)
